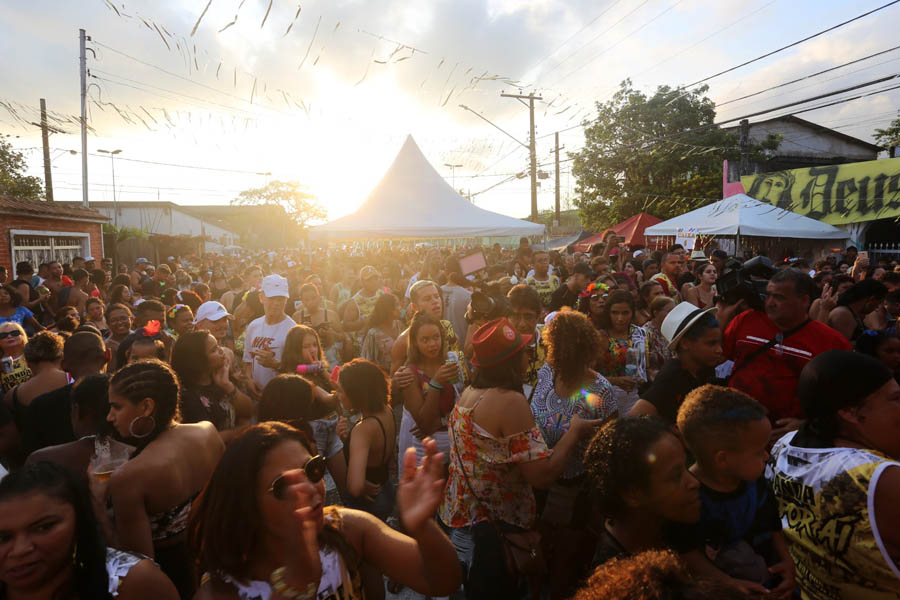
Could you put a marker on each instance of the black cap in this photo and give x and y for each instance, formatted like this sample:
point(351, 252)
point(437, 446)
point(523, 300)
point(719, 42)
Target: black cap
point(582, 268)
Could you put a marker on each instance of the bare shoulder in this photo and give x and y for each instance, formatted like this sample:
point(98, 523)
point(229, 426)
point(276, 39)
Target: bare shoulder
point(146, 580)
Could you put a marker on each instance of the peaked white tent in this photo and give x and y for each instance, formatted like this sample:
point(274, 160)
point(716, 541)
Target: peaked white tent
point(742, 215)
point(413, 201)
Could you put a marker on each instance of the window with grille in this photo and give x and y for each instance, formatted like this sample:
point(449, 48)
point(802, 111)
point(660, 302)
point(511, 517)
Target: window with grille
point(37, 248)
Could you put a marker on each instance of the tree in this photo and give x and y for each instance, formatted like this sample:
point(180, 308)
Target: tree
point(887, 138)
point(302, 207)
point(660, 154)
point(13, 181)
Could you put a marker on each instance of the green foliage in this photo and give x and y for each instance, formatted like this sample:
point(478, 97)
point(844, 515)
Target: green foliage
point(124, 233)
point(890, 136)
point(638, 158)
point(13, 181)
point(302, 207)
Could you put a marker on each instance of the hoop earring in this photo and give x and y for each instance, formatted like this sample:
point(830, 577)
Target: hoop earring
point(135, 420)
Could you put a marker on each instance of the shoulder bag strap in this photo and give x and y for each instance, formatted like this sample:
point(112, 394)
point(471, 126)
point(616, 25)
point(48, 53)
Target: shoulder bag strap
point(465, 477)
point(769, 345)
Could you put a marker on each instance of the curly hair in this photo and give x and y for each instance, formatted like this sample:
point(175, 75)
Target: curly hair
point(44, 346)
point(572, 344)
point(617, 459)
point(365, 385)
point(651, 575)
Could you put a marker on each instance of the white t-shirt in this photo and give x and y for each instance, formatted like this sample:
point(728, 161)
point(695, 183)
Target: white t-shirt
point(550, 271)
point(262, 336)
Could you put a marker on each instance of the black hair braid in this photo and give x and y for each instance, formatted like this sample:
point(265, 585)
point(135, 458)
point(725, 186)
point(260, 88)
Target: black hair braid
point(151, 379)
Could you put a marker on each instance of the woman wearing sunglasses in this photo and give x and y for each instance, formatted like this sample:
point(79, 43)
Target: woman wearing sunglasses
point(13, 368)
point(152, 493)
point(281, 542)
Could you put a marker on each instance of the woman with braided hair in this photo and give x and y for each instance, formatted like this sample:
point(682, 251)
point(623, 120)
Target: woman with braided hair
point(151, 494)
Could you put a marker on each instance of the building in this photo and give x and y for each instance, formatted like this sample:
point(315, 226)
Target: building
point(170, 219)
point(40, 231)
point(803, 144)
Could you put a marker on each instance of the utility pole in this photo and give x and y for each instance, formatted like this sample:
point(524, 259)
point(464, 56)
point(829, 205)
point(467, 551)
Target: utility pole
point(45, 138)
point(112, 162)
point(453, 173)
point(82, 62)
point(556, 152)
point(531, 147)
point(745, 147)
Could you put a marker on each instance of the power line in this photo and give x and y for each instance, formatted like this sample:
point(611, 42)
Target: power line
point(664, 12)
point(791, 45)
point(574, 35)
point(816, 74)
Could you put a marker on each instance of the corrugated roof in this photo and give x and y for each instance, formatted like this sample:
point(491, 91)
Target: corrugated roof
point(55, 210)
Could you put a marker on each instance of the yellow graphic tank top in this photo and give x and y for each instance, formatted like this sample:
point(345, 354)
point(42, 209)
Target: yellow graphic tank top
point(825, 499)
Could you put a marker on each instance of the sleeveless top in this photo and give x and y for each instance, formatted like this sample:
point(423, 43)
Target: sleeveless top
point(366, 304)
point(171, 522)
point(826, 501)
point(118, 564)
point(378, 473)
point(336, 582)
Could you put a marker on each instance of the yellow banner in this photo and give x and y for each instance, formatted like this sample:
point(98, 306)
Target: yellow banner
point(837, 194)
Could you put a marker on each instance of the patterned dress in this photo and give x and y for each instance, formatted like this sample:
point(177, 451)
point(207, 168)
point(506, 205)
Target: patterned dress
point(554, 414)
point(613, 361)
point(490, 463)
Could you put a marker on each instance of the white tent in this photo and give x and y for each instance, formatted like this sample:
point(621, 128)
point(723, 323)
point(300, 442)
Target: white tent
point(742, 215)
point(413, 201)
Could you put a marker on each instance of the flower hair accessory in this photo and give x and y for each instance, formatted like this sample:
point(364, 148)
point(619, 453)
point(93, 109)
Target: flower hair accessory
point(592, 289)
point(174, 310)
point(151, 329)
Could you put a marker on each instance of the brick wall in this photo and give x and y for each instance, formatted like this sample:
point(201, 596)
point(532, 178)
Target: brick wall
point(8, 222)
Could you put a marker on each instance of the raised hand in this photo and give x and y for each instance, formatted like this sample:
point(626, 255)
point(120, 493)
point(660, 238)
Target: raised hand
point(302, 563)
point(421, 488)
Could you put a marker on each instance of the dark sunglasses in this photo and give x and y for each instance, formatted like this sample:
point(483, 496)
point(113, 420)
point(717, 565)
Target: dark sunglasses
point(12, 332)
point(314, 469)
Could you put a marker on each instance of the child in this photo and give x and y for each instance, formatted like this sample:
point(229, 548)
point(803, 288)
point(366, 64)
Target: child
point(738, 539)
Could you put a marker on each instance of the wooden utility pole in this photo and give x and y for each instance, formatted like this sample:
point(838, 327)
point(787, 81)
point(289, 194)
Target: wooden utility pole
point(45, 138)
point(531, 147)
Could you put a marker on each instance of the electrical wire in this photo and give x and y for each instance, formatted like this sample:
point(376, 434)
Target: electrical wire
point(791, 45)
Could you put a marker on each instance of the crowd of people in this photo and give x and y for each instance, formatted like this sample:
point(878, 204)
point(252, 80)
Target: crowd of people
point(347, 423)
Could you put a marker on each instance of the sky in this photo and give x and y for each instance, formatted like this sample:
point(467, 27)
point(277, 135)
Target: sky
point(204, 105)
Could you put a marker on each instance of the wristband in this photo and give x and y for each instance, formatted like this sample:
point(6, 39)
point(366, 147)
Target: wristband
point(281, 587)
point(435, 385)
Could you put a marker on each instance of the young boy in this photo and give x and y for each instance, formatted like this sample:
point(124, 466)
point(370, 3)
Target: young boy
point(738, 539)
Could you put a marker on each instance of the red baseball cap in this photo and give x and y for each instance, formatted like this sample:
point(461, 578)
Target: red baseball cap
point(496, 341)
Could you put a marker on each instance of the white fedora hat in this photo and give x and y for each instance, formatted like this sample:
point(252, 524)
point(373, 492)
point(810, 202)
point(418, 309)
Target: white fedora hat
point(680, 319)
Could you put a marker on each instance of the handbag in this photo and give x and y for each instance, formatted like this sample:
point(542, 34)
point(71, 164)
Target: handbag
point(521, 550)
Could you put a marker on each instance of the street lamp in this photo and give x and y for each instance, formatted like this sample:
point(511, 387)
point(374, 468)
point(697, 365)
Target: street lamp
point(453, 173)
point(112, 162)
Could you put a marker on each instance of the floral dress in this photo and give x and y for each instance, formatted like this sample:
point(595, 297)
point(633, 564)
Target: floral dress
point(490, 463)
point(613, 362)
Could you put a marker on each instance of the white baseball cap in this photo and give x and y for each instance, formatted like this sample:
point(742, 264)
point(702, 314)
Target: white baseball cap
point(210, 311)
point(274, 286)
point(141, 261)
point(89, 258)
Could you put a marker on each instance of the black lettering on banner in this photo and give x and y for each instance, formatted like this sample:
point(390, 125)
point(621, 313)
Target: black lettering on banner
point(862, 203)
point(845, 188)
point(894, 191)
point(878, 198)
point(819, 187)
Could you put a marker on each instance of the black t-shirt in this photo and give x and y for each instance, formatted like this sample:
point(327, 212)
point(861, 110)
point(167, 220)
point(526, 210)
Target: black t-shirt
point(48, 420)
point(150, 287)
point(749, 513)
point(608, 547)
point(563, 296)
point(204, 403)
point(671, 385)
